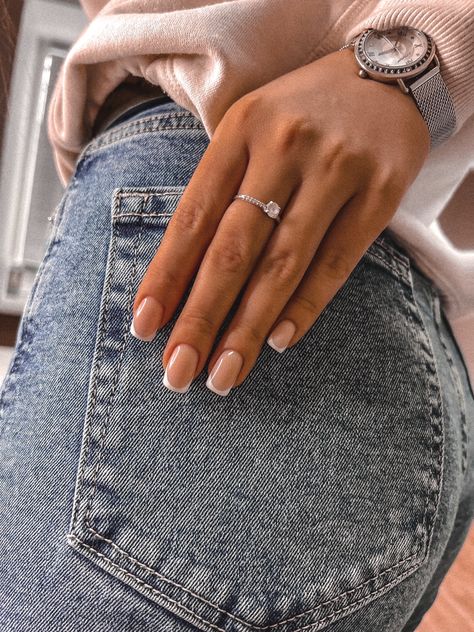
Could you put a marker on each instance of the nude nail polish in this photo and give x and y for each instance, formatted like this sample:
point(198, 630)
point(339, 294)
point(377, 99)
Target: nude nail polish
point(225, 372)
point(281, 335)
point(147, 319)
point(181, 368)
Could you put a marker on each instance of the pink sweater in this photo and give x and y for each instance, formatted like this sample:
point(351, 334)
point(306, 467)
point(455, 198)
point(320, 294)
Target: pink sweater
point(206, 54)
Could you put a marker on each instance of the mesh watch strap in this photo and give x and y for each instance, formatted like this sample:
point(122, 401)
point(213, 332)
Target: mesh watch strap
point(434, 102)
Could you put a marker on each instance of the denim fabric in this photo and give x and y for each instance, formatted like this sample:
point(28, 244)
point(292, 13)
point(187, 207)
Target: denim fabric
point(331, 490)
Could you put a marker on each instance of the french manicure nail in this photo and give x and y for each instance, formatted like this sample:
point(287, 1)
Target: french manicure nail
point(147, 319)
point(281, 335)
point(225, 372)
point(181, 368)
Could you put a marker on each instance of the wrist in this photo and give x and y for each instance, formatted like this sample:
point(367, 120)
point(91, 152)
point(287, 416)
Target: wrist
point(406, 57)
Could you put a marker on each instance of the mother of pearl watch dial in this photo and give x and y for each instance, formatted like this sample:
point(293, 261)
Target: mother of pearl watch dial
point(397, 47)
point(395, 53)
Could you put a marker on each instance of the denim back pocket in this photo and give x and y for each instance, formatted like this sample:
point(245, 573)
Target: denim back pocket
point(306, 493)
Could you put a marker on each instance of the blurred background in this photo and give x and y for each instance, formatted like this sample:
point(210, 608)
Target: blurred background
point(35, 36)
point(34, 39)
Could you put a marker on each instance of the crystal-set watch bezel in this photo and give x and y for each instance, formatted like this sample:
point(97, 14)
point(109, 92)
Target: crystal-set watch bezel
point(392, 73)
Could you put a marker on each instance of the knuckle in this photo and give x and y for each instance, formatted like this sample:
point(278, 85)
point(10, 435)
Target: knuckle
point(250, 333)
point(391, 180)
point(230, 257)
point(294, 132)
point(337, 154)
point(306, 305)
point(197, 322)
point(282, 266)
point(190, 215)
point(243, 110)
point(335, 266)
point(162, 276)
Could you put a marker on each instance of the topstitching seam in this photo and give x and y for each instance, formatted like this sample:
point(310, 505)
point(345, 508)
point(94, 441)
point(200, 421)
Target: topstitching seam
point(149, 192)
point(163, 116)
point(436, 414)
point(456, 378)
point(142, 215)
point(316, 624)
point(97, 365)
point(115, 380)
point(143, 126)
point(388, 263)
point(95, 478)
point(232, 616)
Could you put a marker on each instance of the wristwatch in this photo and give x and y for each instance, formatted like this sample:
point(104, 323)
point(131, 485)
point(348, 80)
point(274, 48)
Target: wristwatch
point(407, 56)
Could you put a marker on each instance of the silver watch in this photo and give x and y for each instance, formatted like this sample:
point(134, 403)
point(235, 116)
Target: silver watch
point(407, 56)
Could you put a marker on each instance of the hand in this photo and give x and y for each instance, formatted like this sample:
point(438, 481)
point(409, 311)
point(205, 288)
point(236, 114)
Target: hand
point(337, 153)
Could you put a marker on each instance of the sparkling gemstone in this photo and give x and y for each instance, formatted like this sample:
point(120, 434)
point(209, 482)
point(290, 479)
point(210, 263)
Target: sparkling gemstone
point(273, 210)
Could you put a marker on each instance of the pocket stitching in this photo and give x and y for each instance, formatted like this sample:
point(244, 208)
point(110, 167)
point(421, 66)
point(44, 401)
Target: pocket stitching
point(126, 334)
point(95, 372)
point(390, 262)
point(72, 536)
point(181, 606)
point(436, 415)
point(239, 619)
point(98, 362)
point(87, 519)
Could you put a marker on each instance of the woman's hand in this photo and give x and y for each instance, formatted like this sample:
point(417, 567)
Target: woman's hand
point(337, 153)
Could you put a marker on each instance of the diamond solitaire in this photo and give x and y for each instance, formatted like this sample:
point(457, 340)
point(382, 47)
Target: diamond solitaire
point(272, 209)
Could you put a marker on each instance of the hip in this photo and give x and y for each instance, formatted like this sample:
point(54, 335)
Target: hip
point(340, 454)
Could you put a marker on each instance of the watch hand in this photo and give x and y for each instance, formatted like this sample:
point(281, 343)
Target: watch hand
point(394, 46)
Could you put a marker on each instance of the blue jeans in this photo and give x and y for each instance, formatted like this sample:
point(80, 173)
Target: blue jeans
point(331, 490)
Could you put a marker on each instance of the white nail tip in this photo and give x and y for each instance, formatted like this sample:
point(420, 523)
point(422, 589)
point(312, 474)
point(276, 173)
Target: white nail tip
point(173, 388)
point(274, 346)
point(134, 333)
point(214, 389)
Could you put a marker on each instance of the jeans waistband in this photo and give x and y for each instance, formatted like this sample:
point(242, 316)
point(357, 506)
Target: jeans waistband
point(136, 110)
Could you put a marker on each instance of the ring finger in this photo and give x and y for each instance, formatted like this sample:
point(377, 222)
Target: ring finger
point(287, 257)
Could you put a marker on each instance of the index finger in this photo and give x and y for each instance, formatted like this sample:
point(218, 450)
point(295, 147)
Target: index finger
point(190, 230)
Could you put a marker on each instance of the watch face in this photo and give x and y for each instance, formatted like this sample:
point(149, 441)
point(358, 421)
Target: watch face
point(396, 48)
point(400, 51)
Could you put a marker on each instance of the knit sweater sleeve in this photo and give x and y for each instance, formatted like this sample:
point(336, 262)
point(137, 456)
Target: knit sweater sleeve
point(207, 53)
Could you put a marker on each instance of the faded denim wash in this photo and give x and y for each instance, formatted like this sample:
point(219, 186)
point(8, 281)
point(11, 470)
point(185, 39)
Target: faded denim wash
point(331, 490)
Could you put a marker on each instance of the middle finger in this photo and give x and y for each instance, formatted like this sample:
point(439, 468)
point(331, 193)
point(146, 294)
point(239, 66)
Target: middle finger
point(240, 238)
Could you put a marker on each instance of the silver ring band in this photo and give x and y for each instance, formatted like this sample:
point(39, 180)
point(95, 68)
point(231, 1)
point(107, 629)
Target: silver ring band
point(272, 209)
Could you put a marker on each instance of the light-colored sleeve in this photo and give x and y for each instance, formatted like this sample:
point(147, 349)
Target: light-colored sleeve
point(204, 53)
point(207, 53)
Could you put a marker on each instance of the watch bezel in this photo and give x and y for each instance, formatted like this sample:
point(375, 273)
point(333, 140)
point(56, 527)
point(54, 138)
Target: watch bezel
point(387, 73)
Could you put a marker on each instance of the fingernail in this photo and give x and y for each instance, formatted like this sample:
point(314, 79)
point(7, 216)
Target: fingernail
point(181, 368)
point(225, 372)
point(281, 335)
point(147, 319)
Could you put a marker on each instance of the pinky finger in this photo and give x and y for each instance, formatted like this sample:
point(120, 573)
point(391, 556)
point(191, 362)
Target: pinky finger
point(350, 235)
